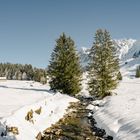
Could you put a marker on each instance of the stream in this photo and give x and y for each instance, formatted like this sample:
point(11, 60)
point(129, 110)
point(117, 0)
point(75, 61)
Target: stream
point(77, 124)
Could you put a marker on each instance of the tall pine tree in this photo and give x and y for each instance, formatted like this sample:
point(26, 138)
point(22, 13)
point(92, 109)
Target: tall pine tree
point(104, 65)
point(64, 69)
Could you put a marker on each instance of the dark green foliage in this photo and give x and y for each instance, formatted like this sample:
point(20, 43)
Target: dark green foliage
point(104, 65)
point(119, 76)
point(29, 71)
point(22, 72)
point(137, 72)
point(64, 69)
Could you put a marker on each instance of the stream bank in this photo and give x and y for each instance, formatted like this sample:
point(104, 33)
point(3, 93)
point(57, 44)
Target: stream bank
point(77, 124)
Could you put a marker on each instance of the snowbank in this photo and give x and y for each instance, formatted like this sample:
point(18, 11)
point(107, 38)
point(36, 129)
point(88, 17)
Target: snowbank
point(119, 114)
point(19, 97)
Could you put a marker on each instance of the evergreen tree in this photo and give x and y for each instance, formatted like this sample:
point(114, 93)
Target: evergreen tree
point(104, 65)
point(64, 69)
point(37, 75)
point(22, 72)
point(119, 76)
point(43, 80)
point(24, 76)
point(137, 72)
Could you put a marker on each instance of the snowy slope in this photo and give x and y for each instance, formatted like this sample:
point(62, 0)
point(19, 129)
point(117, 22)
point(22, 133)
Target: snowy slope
point(120, 113)
point(19, 97)
point(123, 46)
point(131, 60)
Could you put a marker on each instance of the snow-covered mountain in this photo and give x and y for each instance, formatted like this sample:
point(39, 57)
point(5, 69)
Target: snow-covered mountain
point(123, 47)
point(84, 56)
point(128, 51)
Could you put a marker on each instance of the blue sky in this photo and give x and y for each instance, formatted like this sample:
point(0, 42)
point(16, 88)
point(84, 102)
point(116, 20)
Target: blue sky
point(29, 28)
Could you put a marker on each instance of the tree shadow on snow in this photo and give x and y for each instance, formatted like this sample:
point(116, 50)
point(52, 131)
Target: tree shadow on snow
point(3, 86)
point(30, 89)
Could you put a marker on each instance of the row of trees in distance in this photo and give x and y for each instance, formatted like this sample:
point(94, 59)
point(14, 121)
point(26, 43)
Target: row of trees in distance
point(22, 72)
